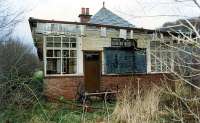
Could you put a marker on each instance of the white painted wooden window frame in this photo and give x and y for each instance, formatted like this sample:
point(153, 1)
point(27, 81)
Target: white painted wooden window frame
point(45, 48)
point(149, 64)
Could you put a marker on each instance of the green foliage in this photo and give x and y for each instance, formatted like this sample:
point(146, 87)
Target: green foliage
point(62, 99)
point(38, 76)
point(56, 113)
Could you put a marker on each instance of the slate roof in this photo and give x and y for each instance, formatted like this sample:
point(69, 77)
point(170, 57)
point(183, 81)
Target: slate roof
point(106, 17)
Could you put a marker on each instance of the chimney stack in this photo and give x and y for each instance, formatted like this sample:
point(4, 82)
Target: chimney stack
point(85, 15)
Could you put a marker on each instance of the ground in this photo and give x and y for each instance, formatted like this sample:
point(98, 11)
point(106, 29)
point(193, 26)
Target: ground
point(68, 112)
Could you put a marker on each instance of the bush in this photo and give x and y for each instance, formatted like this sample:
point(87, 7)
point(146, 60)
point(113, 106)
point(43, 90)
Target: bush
point(18, 63)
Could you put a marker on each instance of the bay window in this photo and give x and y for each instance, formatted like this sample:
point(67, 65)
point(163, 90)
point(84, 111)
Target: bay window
point(61, 55)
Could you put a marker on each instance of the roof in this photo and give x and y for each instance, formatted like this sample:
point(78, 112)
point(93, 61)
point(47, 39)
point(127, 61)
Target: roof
point(106, 17)
point(36, 20)
point(33, 21)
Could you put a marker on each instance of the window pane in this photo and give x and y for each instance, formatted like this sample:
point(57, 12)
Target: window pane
point(65, 53)
point(164, 46)
point(72, 65)
point(69, 65)
point(164, 67)
point(65, 66)
point(73, 45)
point(49, 53)
point(169, 60)
point(73, 53)
point(115, 43)
point(158, 68)
point(49, 44)
point(57, 44)
point(72, 39)
point(49, 39)
point(73, 42)
point(53, 65)
point(57, 39)
point(66, 45)
point(57, 53)
point(153, 69)
point(65, 39)
point(153, 44)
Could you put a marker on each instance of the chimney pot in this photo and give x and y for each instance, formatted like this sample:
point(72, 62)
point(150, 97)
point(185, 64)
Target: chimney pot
point(87, 11)
point(83, 11)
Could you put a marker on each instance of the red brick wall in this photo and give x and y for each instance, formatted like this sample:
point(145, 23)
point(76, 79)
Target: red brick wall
point(68, 86)
point(119, 82)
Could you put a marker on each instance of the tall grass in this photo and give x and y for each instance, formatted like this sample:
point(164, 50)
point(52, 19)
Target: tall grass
point(137, 106)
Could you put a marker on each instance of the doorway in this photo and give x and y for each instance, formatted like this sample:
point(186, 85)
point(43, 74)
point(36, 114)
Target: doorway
point(92, 70)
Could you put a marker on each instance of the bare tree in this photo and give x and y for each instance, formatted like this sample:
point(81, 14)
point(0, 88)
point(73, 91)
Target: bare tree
point(195, 2)
point(185, 47)
point(9, 17)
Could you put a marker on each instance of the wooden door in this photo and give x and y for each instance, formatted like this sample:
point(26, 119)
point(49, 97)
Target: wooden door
point(92, 71)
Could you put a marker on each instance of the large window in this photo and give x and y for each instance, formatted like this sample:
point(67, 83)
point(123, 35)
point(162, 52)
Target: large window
point(161, 56)
point(61, 55)
point(124, 60)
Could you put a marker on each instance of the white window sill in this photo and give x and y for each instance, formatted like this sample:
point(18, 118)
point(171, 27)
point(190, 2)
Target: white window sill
point(55, 75)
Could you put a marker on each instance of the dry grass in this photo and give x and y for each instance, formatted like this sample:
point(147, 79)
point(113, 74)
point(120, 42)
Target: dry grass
point(137, 106)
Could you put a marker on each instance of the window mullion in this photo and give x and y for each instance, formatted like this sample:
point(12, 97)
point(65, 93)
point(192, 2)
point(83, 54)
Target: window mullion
point(44, 55)
point(61, 56)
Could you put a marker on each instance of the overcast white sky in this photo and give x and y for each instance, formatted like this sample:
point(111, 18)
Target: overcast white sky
point(141, 13)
